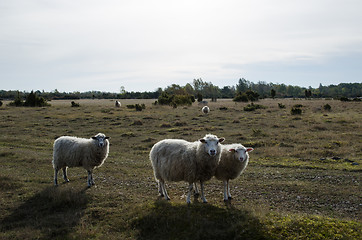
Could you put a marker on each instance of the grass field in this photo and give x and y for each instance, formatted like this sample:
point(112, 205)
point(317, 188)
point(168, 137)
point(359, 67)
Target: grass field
point(303, 180)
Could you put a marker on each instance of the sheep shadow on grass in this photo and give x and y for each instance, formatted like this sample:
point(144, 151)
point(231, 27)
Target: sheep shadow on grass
point(51, 213)
point(165, 220)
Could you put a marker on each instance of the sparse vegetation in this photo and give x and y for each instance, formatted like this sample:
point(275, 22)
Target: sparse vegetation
point(327, 107)
point(253, 107)
point(303, 180)
point(74, 104)
point(138, 107)
point(32, 100)
point(296, 110)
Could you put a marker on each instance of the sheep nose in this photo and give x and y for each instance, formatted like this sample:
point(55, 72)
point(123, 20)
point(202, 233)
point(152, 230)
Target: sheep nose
point(212, 152)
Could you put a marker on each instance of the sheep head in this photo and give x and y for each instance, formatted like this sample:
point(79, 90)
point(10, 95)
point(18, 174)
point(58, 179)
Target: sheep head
point(211, 144)
point(240, 152)
point(100, 139)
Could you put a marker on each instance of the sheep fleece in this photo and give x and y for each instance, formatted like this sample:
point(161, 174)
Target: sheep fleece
point(78, 152)
point(180, 160)
point(229, 167)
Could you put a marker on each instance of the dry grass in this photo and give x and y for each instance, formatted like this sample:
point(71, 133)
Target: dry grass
point(304, 174)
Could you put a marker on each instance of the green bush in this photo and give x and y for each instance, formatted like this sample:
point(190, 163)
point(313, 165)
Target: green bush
point(296, 111)
point(327, 107)
point(281, 105)
point(138, 107)
point(32, 100)
point(253, 107)
point(344, 99)
point(246, 96)
point(175, 100)
point(241, 97)
point(74, 104)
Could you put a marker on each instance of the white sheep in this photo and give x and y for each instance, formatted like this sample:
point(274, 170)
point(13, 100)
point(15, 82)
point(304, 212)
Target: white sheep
point(180, 160)
point(79, 152)
point(233, 161)
point(205, 109)
point(117, 104)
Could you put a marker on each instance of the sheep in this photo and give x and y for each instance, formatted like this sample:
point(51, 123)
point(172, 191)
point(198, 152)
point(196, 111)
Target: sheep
point(180, 160)
point(205, 109)
point(79, 152)
point(117, 104)
point(233, 161)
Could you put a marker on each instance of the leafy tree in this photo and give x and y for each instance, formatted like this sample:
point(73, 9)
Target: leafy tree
point(272, 93)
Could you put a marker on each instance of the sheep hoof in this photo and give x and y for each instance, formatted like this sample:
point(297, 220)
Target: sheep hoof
point(226, 200)
point(230, 198)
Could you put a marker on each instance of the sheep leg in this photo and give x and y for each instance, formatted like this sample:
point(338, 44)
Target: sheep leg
point(90, 179)
point(202, 192)
point(160, 189)
point(196, 192)
point(229, 195)
point(65, 174)
point(163, 188)
point(226, 190)
point(55, 177)
point(188, 200)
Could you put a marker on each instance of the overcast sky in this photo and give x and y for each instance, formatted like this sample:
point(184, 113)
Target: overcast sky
point(88, 45)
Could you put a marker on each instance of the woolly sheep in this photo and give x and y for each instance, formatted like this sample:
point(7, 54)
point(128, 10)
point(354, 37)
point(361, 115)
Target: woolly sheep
point(180, 160)
point(117, 104)
point(79, 152)
point(205, 109)
point(233, 161)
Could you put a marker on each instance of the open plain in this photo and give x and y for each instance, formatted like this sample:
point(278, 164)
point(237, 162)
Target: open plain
point(303, 180)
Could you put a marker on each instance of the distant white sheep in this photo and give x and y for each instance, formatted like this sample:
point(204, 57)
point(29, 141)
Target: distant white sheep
point(79, 152)
point(233, 161)
point(117, 104)
point(180, 160)
point(205, 109)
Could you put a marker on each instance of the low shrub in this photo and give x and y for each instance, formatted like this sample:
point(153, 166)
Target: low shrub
point(175, 100)
point(327, 107)
point(74, 104)
point(241, 97)
point(344, 99)
point(296, 111)
point(32, 100)
point(253, 107)
point(280, 105)
point(138, 107)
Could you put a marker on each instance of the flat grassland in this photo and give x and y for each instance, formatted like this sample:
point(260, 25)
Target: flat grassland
point(303, 180)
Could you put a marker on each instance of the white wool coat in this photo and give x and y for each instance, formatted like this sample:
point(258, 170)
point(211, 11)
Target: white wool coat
point(78, 152)
point(230, 167)
point(180, 160)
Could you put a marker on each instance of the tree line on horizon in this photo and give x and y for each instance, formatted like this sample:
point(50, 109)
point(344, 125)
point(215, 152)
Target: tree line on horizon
point(202, 89)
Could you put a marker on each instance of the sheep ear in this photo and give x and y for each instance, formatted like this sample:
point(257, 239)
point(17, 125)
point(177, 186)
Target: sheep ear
point(221, 140)
point(232, 150)
point(249, 149)
point(107, 137)
point(202, 140)
point(95, 138)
